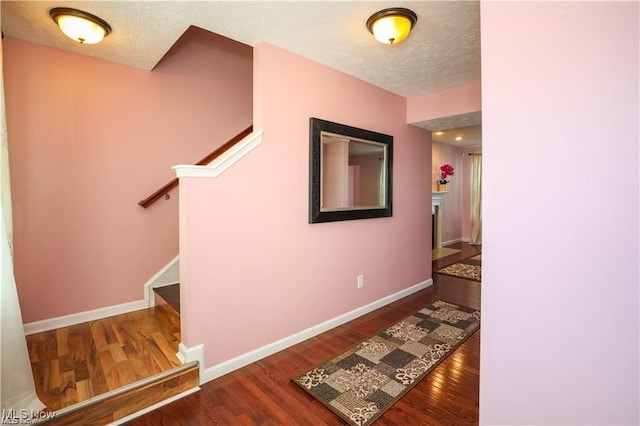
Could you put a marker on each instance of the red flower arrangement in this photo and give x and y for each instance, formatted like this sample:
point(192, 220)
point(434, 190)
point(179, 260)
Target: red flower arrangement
point(446, 170)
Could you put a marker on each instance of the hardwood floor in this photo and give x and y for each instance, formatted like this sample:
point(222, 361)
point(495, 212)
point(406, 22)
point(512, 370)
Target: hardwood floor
point(466, 251)
point(79, 362)
point(263, 393)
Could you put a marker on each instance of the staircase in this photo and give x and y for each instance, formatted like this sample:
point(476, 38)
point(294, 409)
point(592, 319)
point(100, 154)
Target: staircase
point(167, 301)
point(103, 371)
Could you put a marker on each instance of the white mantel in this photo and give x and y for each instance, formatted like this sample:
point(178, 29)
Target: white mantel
point(437, 206)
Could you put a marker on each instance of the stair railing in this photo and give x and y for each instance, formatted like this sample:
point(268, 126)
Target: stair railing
point(206, 160)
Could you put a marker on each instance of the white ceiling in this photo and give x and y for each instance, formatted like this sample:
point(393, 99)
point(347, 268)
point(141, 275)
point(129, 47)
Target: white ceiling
point(442, 51)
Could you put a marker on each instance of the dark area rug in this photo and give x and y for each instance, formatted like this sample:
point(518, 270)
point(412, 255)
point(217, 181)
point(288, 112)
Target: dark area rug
point(363, 382)
point(470, 269)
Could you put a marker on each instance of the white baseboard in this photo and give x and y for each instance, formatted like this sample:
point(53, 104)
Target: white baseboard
point(168, 275)
point(448, 243)
point(194, 353)
point(92, 315)
point(225, 367)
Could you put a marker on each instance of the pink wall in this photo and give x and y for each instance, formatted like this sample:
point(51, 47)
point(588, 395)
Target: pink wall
point(255, 269)
point(89, 139)
point(452, 209)
point(560, 288)
point(456, 100)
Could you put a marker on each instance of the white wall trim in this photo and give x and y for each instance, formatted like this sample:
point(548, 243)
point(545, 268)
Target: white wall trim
point(165, 276)
point(225, 367)
point(450, 242)
point(194, 353)
point(437, 205)
point(92, 315)
point(168, 275)
point(224, 161)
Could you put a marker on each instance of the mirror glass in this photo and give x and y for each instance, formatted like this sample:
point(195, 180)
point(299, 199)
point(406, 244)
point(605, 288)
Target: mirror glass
point(350, 172)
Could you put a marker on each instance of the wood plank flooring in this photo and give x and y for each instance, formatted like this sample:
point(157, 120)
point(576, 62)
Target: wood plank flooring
point(75, 363)
point(263, 394)
point(107, 408)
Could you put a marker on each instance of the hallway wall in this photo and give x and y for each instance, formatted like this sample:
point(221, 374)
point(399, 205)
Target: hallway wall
point(561, 238)
point(88, 140)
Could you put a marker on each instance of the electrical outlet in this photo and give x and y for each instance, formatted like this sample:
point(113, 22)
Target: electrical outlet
point(360, 281)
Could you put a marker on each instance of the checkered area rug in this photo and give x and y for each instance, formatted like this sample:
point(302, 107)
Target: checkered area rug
point(363, 382)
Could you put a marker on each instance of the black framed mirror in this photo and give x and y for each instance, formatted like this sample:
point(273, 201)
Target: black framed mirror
point(350, 172)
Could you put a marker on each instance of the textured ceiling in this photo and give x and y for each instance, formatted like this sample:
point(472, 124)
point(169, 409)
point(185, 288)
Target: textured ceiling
point(442, 51)
point(466, 126)
point(471, 136)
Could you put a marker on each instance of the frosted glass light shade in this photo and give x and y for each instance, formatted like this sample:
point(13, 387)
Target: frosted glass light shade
point(390, 26)
point(80, 26)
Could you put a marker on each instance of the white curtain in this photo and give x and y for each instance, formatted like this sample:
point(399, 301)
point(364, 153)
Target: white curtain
point(476, 200)
point(18, 391)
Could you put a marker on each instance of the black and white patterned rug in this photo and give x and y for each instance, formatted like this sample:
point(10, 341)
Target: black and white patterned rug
point(363, 382)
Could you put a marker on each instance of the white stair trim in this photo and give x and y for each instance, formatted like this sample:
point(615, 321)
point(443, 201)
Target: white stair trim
point(168, 275)
point(224, 161)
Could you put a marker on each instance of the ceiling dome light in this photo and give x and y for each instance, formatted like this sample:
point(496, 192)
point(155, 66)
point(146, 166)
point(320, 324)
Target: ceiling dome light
point(80, 26)
point(390, 26)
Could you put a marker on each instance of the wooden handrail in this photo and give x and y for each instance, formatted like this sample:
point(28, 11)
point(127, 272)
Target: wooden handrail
point(206, 160)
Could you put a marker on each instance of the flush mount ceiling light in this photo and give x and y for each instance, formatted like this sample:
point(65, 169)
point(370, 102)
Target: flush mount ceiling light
point(80, 26)
point(390, 26)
